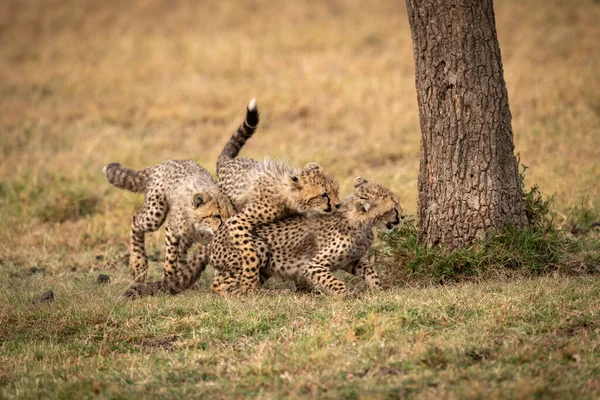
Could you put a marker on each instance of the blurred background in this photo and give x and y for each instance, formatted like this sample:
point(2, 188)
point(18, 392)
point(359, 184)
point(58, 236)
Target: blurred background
point(88, 82)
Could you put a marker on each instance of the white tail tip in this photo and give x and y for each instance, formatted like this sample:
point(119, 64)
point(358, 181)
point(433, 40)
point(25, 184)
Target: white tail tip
point(252, 104)
point(104, 169)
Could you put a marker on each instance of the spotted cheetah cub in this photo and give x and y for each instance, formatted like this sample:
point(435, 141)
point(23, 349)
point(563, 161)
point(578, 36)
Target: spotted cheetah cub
point(313, 247)
point(185, 191)
point(265, 191)
point(303, 246)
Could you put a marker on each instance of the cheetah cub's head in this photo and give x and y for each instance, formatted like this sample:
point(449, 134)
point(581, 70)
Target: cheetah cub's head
point(210, 210)
point(314, 190)
point(375, 205)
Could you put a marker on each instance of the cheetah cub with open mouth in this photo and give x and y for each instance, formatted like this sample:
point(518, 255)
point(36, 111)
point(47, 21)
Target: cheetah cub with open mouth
point(313, 247)
point(310, 247)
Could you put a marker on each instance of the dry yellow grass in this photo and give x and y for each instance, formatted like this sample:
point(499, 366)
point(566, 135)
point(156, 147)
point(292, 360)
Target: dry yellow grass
point(90, 82)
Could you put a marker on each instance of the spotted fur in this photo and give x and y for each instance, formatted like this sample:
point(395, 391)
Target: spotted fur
point(304, 247)
point(312, 248)
point(265, 191)
point(183, 190)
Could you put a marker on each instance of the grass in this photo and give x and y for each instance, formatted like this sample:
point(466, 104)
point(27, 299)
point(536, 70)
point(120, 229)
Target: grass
point(526, 338)
point(90, 82)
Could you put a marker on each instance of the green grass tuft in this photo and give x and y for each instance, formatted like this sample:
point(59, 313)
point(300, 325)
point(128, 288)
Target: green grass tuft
point(526, 252)
point(537, 206)
point(539, 248)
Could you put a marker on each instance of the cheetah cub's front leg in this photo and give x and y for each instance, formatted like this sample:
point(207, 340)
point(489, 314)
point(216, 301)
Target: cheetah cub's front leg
point(148, 219)
point(320, 274)
point(363, 270)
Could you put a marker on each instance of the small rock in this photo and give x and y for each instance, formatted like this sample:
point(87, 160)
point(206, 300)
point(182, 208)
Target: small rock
point(103, 278)
point(35, 270)
point(44, 298)
point(48, 296)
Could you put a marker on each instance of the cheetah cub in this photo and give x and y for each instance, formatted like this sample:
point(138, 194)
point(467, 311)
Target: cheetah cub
point(265, 191)
point(185, 191)
point(312, 248)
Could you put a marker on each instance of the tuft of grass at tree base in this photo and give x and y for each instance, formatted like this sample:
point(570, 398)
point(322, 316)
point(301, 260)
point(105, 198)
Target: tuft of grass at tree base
point(540, 248)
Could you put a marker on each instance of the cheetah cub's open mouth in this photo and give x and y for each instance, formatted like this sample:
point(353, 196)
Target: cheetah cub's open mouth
point(390, 225)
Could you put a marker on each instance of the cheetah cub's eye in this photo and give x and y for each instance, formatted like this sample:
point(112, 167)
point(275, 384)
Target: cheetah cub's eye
point(201, 199)
point(197, 201)
point(324, 194)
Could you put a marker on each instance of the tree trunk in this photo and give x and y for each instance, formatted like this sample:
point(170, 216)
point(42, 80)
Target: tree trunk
point(468, 178)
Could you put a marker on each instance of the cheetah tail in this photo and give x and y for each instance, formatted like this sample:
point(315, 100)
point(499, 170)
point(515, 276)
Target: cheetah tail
point(125, 178)
point(244, 132)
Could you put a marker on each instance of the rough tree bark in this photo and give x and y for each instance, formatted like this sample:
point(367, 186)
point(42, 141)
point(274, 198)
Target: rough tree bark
point(468, 177)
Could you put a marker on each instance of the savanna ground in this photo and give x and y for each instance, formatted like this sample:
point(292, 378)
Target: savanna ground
point(89, 82)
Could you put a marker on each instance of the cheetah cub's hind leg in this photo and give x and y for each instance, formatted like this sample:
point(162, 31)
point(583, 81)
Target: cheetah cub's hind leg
point(148, 219)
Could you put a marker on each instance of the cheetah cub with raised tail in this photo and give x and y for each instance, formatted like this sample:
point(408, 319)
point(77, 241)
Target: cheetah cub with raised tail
point(313, 247)
point(265, 191)
point(303, 246)
point(185, 191)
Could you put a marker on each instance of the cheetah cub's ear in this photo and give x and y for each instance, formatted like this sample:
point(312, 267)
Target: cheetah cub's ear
point(358, 181)
point(362, 205)
point(201, 199)
point(313, 166)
